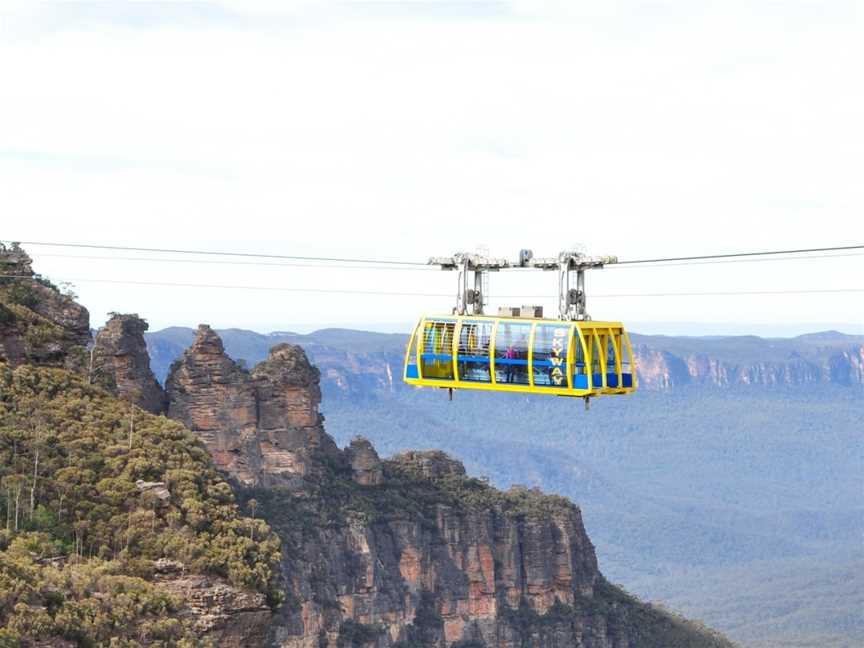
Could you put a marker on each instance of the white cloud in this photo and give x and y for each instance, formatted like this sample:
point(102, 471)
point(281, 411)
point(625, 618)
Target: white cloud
point(370, 130)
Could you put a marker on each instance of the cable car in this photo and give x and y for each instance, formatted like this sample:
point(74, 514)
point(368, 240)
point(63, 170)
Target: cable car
point(519, 350)
point(514, 354)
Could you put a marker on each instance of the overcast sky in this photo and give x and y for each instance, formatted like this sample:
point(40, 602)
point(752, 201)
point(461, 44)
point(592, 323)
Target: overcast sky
point(411, 129)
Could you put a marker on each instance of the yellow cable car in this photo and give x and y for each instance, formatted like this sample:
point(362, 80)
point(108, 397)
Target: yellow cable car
point(514, 354)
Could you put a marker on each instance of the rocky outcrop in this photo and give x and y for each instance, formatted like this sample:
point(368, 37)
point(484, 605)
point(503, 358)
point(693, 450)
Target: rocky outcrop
point(431, 557)
point(214, 397)
point(430, 464)
point(119, 361)
point(365, 464)
point(38, 324)
point(833, 363)
point(290, 434)
point(220, 614)
point(263, 428)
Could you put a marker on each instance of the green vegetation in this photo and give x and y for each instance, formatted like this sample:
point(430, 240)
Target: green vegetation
point(92, 493)
point(777, 604)
point(427, 626)
point(353, 634)
point(648, 626)
point(334, 499)
point(42, 340)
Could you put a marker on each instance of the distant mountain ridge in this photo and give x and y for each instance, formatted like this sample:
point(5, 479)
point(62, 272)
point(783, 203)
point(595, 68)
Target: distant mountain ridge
point(357, 363)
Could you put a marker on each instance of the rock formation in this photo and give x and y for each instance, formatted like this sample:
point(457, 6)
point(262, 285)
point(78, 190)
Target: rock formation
point(365, 464)
point(214, 397)
point(262, 428)
point(119, 361)
point(405, 552)
point(825, 358)
point(431, 557)
point(38, 324)
point(222, 615)
point(290, 434)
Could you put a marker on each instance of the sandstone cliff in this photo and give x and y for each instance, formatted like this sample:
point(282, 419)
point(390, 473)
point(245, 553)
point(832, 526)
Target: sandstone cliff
point(119, 361)
point(757, 362)
point(214, 397)
point(405, 552)
point(38, 324)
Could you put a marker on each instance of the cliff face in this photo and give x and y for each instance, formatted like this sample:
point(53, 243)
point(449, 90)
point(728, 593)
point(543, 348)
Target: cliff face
point(406, 552)
point(38, 324)
point(291, 438)
point(119, 361)
point(664, 370)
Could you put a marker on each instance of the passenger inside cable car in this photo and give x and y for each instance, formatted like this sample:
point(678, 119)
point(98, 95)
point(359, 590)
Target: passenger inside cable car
point(511, 353)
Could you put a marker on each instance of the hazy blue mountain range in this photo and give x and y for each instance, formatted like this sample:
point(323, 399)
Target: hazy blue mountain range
point(361, 363)
point(728, 486)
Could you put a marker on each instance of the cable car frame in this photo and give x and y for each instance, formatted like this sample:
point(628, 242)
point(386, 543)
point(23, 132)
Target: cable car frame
point(581, 359)
point(569, 356)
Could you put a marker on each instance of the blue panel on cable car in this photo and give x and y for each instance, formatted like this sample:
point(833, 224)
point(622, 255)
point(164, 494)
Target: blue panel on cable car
point(580, 381)
point(611, 380)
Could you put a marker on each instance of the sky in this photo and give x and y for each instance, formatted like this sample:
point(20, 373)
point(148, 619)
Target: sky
point(404, 130)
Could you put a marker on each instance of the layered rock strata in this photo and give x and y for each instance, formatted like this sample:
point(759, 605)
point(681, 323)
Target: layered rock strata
point(830, 365)
point(214, 397)
point(221, 614)
point(291, 438)
point(365, 463)
point(263, 428)
point(119, 361)
point(431, 557)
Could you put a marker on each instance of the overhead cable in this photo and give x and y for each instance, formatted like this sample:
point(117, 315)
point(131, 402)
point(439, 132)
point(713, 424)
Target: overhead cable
point(392, 262)
point(345, 291)
point(744, 254)
point(424, 268)
point(293, 257)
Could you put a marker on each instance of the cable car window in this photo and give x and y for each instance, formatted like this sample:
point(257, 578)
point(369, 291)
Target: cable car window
point(611, 361)
point(580, 369)
point(511, 353)
point(596, 365)
point(473, 359)
point(411, 364)
point(626, 368)
point(549, 362)
point(611, 357)
point(436, 355)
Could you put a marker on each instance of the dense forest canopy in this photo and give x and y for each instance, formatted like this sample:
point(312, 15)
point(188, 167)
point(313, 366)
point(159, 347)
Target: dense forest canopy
point(94, 491)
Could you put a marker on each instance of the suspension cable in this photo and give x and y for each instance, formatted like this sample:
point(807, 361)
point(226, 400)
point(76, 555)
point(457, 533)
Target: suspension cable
point(346, 291)
point(221, 253)
point(396, 263)
point(744, 254)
